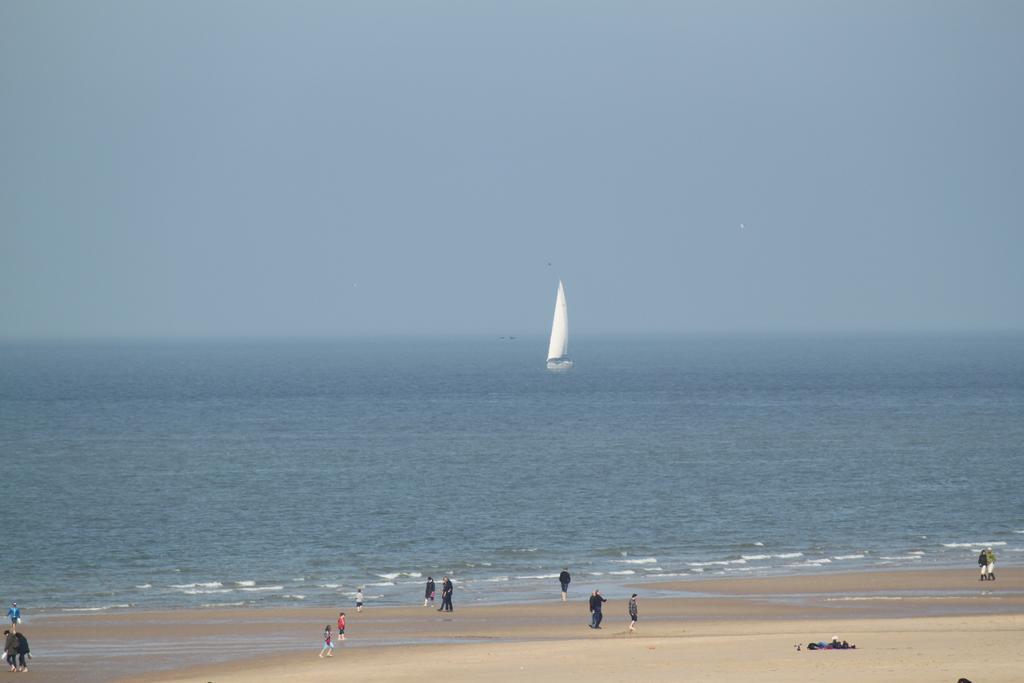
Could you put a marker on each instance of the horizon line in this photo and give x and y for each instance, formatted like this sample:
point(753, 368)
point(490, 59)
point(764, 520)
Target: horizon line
point(241, 336)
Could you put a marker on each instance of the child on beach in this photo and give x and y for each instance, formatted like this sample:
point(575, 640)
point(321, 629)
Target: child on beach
point(341, 626)
point(328, 645)
point(359, 600)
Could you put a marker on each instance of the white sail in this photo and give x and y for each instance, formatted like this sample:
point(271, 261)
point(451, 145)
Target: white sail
point(559, 331)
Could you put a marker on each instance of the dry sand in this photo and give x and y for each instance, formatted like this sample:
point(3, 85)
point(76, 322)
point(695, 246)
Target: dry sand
point(908, 626)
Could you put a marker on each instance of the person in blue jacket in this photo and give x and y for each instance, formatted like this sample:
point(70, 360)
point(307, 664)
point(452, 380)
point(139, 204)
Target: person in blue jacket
point(15, 616)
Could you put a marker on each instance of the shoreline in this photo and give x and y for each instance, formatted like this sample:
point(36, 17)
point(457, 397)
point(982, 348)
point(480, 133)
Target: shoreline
point(244, 644)
point(503, 595)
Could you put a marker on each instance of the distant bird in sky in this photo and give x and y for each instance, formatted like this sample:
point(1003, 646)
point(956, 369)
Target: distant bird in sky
point(549, 263)
point(742, 226)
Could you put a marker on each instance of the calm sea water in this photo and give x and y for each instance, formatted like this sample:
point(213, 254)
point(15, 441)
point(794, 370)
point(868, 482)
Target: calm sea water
point(186, 474)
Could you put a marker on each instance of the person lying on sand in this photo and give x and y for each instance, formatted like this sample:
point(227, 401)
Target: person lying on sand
point(836, 644)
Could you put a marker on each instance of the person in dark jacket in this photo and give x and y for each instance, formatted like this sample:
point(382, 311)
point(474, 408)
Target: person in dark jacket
point(446, 595)
point(11, 648)
point(564, 579)
point(428, 594)
point(23, 651)
point(595, 609)
point(633, 612)
point(983, 565)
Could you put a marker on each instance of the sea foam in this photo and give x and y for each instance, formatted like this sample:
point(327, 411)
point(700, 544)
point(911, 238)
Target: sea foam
point(95, 609)
point(977, 544)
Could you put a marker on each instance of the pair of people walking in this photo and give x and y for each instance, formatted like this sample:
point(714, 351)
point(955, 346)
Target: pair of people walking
point(987, 565)
point(16, 651)
point(597, 613)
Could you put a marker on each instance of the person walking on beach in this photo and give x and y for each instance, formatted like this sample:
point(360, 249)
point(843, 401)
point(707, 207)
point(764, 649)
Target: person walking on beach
point(328, 645)
point(428, 594)
point(595, 609)
point(990, 558)
point(341, 626)
point(632, 613)
point(564, 579)
point(446, 595)
point(359, 600)
point(23, 652)
point(983, 565)
point(14, 614)
point(11, 649)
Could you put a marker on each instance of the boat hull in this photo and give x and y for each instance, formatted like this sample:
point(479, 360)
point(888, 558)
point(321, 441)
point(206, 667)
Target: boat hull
point(559, 364)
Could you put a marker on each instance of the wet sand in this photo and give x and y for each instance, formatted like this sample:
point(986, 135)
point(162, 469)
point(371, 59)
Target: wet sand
point(933, 625)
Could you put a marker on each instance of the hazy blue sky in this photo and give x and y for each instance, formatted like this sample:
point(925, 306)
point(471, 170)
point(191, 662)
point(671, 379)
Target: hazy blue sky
point(294, 168)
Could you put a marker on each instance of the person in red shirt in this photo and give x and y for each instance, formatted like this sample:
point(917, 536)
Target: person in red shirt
point(341, 626)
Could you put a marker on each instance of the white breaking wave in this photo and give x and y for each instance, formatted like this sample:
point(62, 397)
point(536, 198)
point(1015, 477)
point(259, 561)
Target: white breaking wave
point(716, 563)
point(382, 583)
point(849, 557)
point(642, 560)
point(392, 576)
point(94, 609)
point(652, 569)
point(756, 557)
point(979, 544)
point(208, 584)
point(758, 543)
point(262, 588)
point(539, 576)
point(900, 557)
point(806, 564)
point(145, 585)
point(786, 556)
point(623, 572)
point(206, 591)
point(223, 604)
point(294, 597)
point(245, 583)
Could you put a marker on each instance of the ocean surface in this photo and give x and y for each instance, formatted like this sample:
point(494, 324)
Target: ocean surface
point(187, 474)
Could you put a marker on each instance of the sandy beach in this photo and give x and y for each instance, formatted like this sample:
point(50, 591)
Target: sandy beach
point(935, 625)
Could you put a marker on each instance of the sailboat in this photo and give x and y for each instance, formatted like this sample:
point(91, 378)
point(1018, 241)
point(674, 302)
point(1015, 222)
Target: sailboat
point(557, 356)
